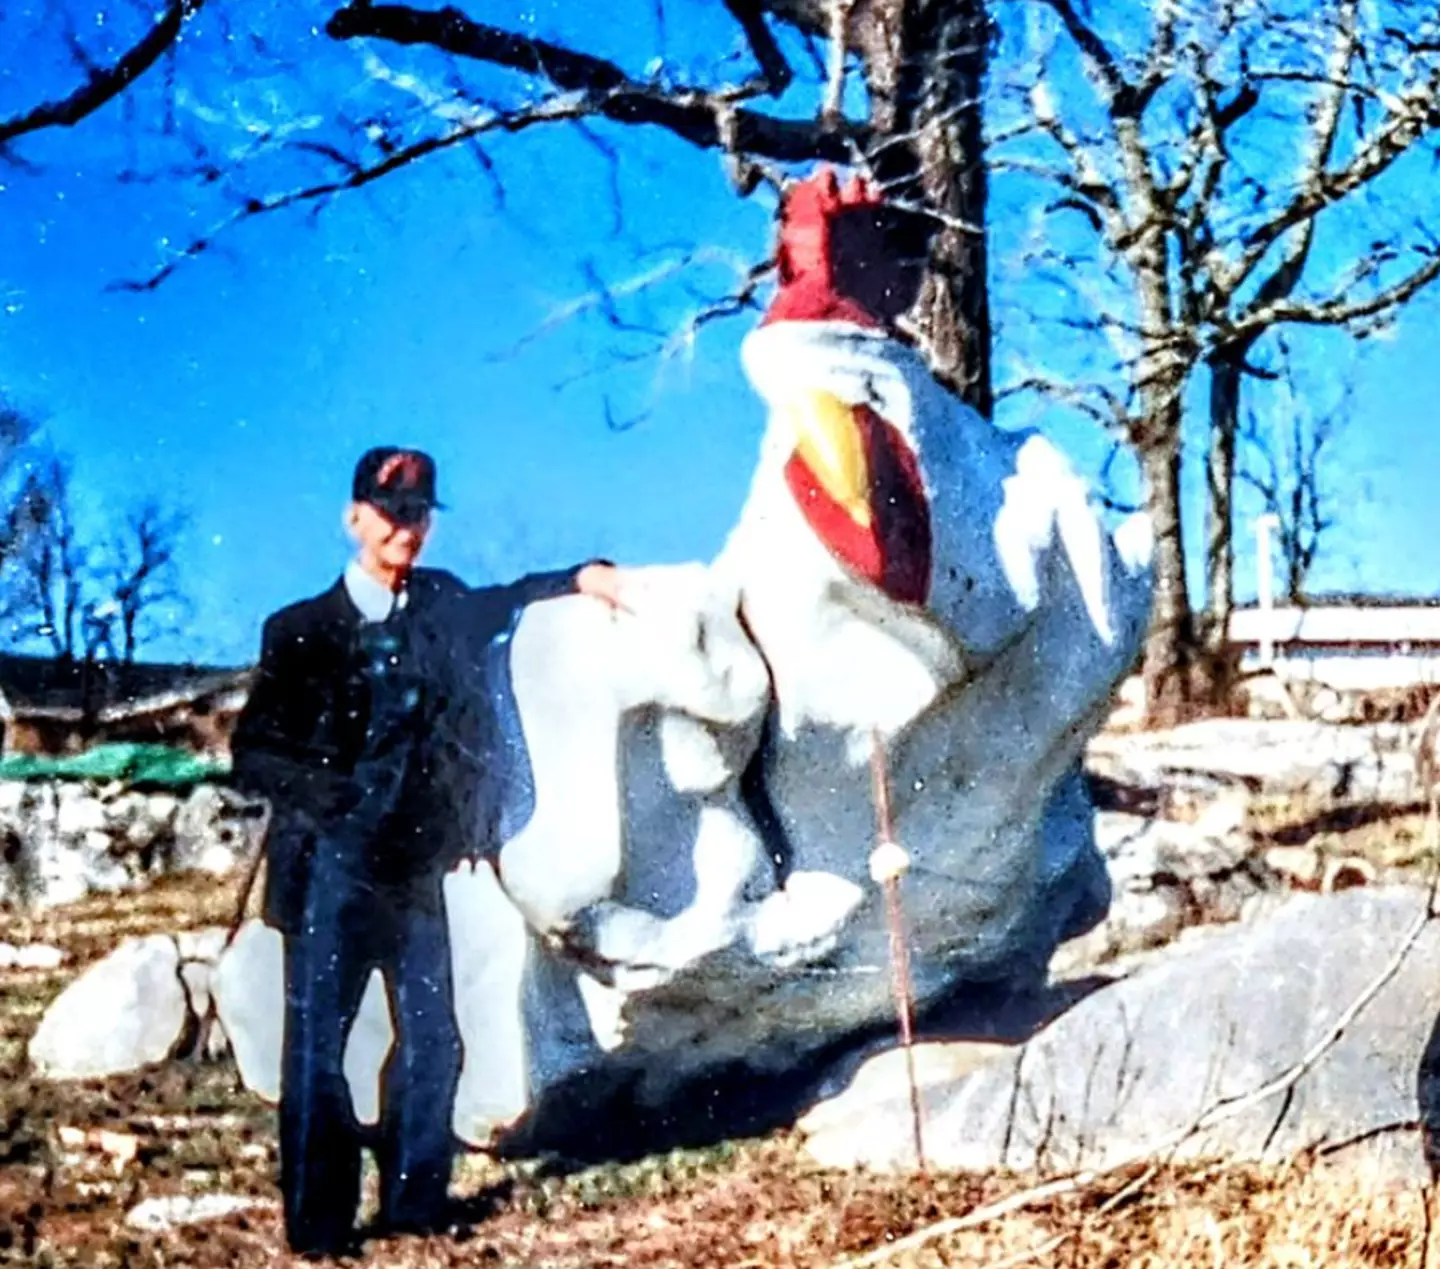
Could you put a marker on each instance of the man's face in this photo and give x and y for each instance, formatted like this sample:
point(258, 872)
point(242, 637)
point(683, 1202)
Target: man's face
point(385, 542)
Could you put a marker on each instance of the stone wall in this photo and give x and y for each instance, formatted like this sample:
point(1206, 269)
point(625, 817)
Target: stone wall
point(61, 840)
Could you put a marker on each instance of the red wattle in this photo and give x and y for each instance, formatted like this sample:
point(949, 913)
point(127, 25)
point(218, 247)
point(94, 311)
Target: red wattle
point(894, 551)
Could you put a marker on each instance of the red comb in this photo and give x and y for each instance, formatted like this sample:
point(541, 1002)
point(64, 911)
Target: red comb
point(803, 259)
point(806, 211)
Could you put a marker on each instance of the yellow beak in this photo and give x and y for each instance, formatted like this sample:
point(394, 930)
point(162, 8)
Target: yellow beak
point(828, 439)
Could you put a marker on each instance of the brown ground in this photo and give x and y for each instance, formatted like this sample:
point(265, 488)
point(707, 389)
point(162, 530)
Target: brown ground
point(75, 1158)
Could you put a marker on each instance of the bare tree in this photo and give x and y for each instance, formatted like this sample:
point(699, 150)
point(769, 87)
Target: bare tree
point(1285, 458)
point(25, 509)
point(141, 576)
point(1208, 152)
point(53, 570)
point(921, 64)
point(88, 599)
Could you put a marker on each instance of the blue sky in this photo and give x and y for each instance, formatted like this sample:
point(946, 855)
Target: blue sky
point(246, 384)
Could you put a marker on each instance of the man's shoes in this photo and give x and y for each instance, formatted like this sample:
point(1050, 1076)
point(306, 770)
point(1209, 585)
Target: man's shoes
point(349, 1247)
point(418, 1222)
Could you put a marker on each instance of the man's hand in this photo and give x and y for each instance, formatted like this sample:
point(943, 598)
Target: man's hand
point(603, 582)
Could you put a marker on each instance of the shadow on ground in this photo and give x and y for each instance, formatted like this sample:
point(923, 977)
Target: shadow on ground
point(602, 1117)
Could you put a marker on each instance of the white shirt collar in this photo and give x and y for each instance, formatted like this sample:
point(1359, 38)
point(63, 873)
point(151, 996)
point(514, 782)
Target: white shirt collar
point(374, 600)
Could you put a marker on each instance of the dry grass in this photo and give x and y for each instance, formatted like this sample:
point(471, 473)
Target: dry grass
point(762, 1205)
point(191, 1129)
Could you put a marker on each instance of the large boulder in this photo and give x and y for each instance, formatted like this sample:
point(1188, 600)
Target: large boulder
point(1219, 1049)
point(125, 1012)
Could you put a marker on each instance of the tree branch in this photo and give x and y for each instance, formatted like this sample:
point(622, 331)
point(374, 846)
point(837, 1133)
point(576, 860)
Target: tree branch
point(1160, 62)
point(705, 118)
point(768, 54)
point(1121, 94)
point(1088, 181)
point(1113, 415)
point(358, 176)
point(1342, 312)
point(1326, 126)
point(105, 83)
point(1419, 113)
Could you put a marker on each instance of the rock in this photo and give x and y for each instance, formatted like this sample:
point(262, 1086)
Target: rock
point(141, 819)
point(30, 956)
point(1131, 1068)
point(682, 925)
point(125, 1012)
point(78, 812)
point(121, 1148)
point(155, 1215)
point(1170, 875)
point(103, 870)
point(63, 840)
point(196, 977)
point(248, 987)
point(216, 860)
point(201, 945)
point(212, 831)
point(712, 954)
point(879, 1079)
point(1291, 758)
point(1301, 866)
point(488, 951)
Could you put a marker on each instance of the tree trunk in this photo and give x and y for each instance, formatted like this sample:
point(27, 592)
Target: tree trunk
point(926, 62)
point(1169, 645)
point(1225, 375)
point(1227, 371)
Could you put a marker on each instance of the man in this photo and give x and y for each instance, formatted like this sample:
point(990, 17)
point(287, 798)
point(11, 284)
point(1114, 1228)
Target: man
point(349, 733)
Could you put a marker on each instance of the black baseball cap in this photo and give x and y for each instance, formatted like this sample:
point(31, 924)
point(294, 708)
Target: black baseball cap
point(400, 482)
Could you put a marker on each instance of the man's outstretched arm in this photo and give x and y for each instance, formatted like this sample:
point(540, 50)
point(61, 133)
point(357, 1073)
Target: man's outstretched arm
point(597, 578)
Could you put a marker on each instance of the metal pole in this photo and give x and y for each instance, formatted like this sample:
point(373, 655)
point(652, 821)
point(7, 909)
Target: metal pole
point(888, 863)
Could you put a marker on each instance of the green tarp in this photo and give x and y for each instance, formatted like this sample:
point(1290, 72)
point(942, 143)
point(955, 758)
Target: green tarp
point(132, 764)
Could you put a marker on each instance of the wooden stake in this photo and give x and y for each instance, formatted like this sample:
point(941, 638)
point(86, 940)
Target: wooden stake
point(888, 863)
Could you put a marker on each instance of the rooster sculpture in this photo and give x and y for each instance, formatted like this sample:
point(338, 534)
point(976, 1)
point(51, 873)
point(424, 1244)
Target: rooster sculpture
point(918, 578)
point(915, 579)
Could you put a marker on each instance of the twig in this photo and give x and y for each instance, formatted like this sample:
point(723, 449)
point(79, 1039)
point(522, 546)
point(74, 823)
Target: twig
point(557, 108)
point(1228, 1108)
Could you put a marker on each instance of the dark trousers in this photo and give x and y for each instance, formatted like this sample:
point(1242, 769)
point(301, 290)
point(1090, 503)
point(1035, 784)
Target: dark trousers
point(349, 928)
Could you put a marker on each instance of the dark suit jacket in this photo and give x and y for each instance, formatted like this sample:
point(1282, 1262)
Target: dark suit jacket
point(380, 742)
